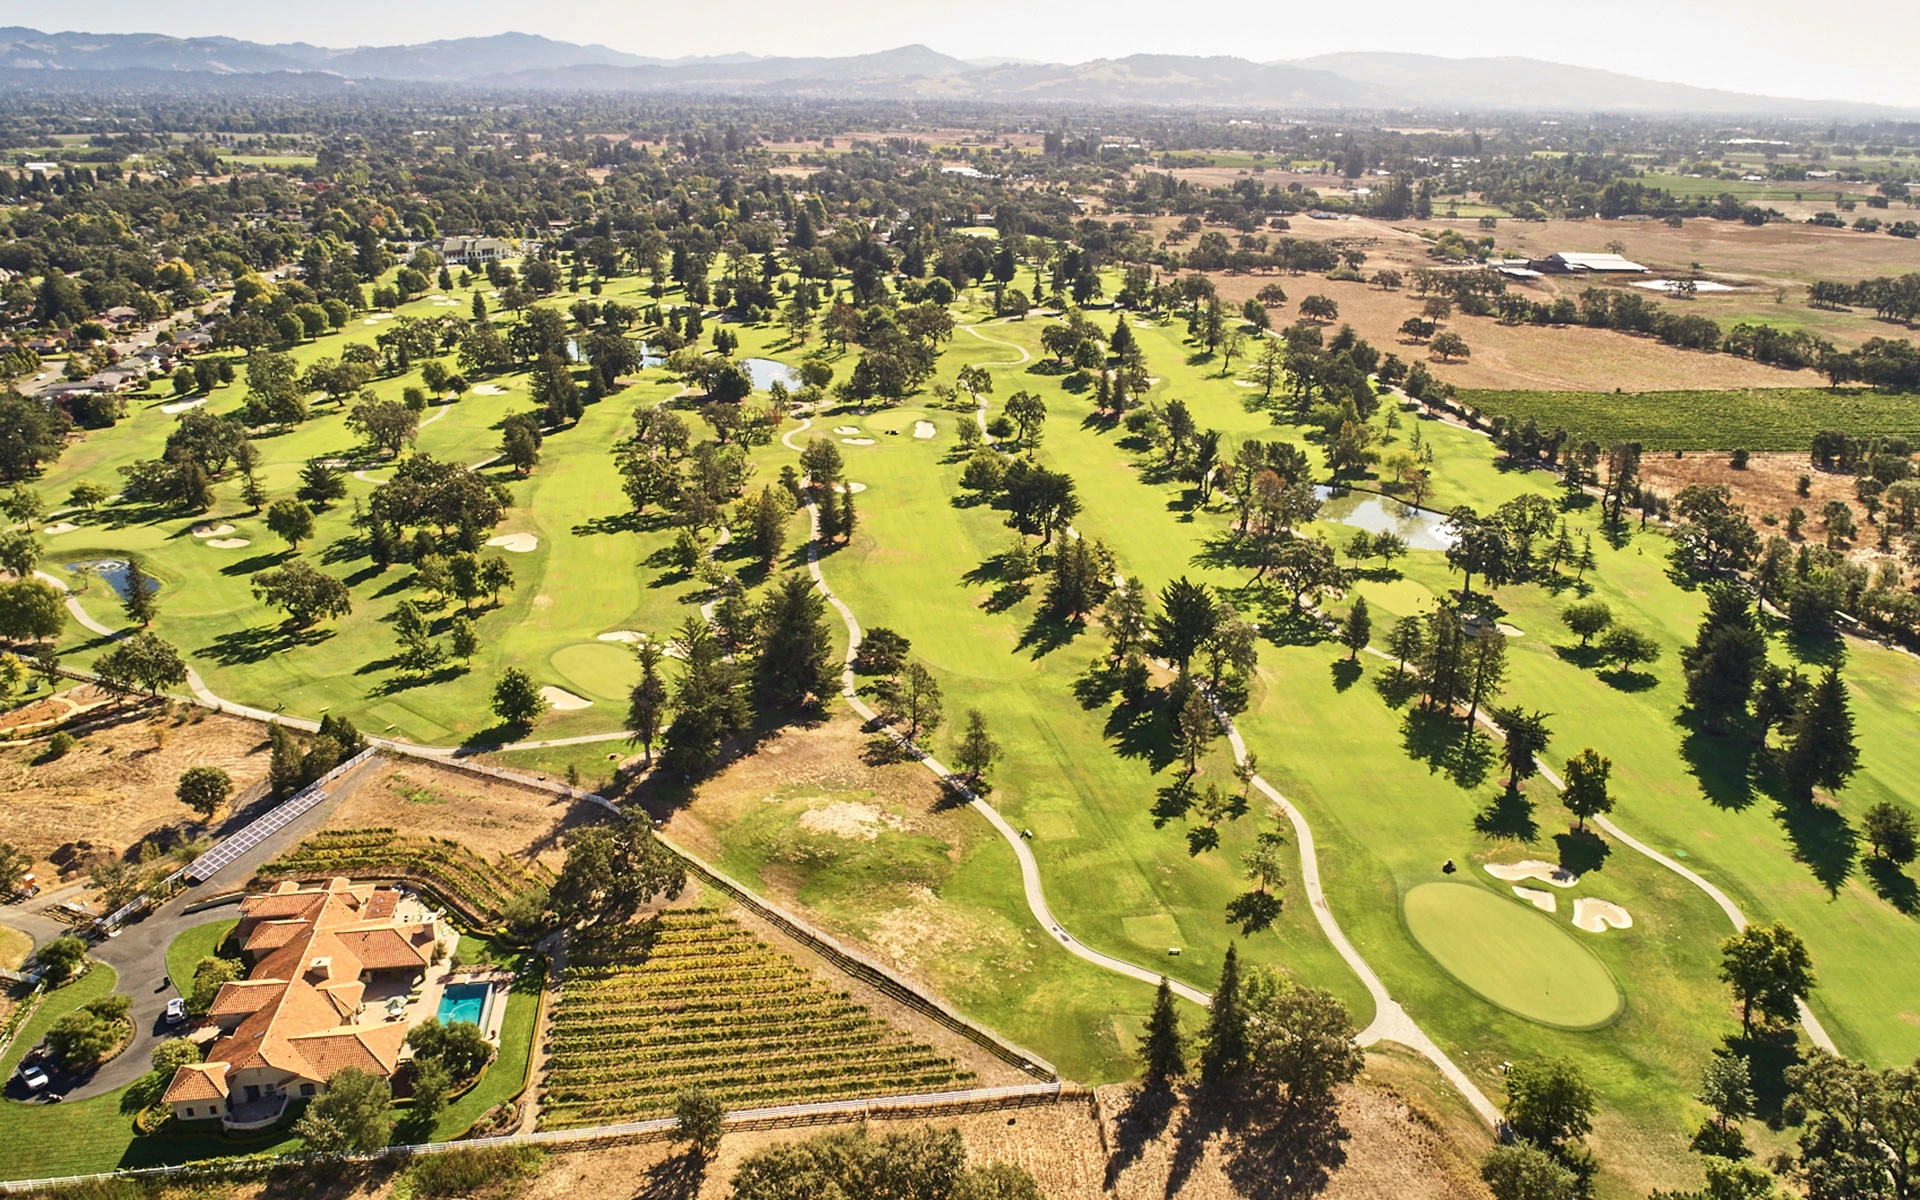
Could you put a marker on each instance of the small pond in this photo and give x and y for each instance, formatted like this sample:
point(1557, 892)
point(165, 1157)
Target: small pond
point(1421, 529)
point(764, 371)
point(113, 570)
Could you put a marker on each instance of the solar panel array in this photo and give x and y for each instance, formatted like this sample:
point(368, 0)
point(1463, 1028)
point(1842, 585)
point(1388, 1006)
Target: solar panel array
point(228, 852)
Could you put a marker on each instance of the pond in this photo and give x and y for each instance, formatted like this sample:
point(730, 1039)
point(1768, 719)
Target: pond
point(113, 570)
point(1420, 528)
point(764, 371)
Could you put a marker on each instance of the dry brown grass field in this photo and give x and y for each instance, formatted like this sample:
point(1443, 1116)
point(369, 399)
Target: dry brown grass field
point(116, 786)
point(488, 817)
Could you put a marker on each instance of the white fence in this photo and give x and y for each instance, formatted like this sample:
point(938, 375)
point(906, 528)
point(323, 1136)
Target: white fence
point(774, 1117)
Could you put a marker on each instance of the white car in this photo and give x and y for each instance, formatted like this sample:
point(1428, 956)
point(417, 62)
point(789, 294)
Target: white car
point(176, 1011)
point(35, 1079)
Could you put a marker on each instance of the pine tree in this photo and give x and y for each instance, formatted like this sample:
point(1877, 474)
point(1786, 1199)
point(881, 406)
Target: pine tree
point(288, 761)
point(827, 514)
point(847, 518)
point(138, 602)
point(977, 750)
point(1225, 1053)
point(1820, 746)
point(649, 699)
point(1163, 1048)
point(1358, 628)
point(1586, 561)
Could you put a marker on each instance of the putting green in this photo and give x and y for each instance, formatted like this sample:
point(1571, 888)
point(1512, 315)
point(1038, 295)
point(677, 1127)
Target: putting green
point(1512, 956)
point(603, 670)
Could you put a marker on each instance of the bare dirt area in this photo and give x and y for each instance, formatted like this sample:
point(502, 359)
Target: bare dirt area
point(487, 816)
point(1573, 358)
point(1768, 488)
point(116, 786)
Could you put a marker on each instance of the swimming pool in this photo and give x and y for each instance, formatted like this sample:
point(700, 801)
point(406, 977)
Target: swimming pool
point(465, 1002)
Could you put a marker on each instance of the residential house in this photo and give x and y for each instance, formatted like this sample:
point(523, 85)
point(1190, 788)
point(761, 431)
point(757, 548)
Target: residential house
point(302, 1014)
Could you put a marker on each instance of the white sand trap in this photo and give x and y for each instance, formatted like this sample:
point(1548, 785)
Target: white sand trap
point(857, 441)
point(623, 635)
point(855, 488)
point(1245, 383)
point(59, 527)
point(1143, 324)
point(446, 304)
point(517, 543)
point(438, 296)
point(846, 819)
point(1542, 900)
point(488, 389)
point(229, 543)
point(923, 429)
point(1510, 630)
point(846, 429)
point(564, 701)
point(1532, 868)
point(1597, 916)
point(204, 530)
point(180, 406)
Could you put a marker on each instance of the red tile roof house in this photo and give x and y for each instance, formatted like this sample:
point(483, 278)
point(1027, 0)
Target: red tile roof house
point(299, 1017)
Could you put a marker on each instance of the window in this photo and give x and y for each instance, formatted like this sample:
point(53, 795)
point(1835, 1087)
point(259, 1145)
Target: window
point(306, 1089)
point(189, 1110)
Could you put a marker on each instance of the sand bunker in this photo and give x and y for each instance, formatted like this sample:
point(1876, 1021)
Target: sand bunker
point(204, 530)
point(1510, 630)
point(517, 543)
point(923, 429)
point(563, 700)
point(858, 441)
point(1597, 916)
point(489, 389)
point(1245, 383)
point(1542, 900)
point(180, 406)
point(623, 635)
point(229, 543)
point(1533, 868)
point(446, 304)
point(59, 527)
point(855, 488)
point(846, 429)
point(850, 820)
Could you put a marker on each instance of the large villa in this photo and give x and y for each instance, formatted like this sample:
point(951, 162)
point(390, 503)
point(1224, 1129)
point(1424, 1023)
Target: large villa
point(340, 974)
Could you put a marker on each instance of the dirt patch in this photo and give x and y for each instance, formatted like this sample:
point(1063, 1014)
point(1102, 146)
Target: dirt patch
point(1573, 358)
point(1768, 486)
point(850, 820)
point(116, 786)
point(486, 816)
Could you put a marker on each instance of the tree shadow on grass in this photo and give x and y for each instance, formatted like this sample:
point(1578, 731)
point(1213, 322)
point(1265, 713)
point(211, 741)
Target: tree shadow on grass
point(1629, 681)
point(261, 642)
point(675, 1178)
point(1047, 633)
point(1723, 766)
point(1397, 687)
point(445, 673)
point(1508, 815)
point(1435, 738)
point(1137, 731)
point(253, 563)
point(1148, 1113)
point(1346, 672)
point(1172, 802)
point(1893, 885)
point(1581, 851)
point(1096, 687)
point(1822, 840)
point(1769, 1054)
point(1285, 1154)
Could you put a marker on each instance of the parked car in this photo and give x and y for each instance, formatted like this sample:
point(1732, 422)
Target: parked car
point(176, 1011)
point(33, 1077)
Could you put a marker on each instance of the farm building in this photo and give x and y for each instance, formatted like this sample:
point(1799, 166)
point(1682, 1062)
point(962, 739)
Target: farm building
point(328, 965)
point(1574, 262)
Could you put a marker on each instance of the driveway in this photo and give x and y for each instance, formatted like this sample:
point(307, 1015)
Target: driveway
point(139, 952)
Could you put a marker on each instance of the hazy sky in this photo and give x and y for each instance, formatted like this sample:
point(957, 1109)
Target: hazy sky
point(1861, 51)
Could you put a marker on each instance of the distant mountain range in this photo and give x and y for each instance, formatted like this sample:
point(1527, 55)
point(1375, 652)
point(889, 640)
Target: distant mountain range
point(29, 57)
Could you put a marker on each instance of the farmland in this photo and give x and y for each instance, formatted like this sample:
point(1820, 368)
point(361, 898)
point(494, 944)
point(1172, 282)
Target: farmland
point(689, 999)
point(1752, 419)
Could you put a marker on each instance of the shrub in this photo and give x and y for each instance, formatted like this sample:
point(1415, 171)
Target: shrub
point(60, 958)
point(59, 744)
point(476, 1172)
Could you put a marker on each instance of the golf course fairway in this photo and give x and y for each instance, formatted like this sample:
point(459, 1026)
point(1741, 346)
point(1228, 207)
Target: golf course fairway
point(1511, 955)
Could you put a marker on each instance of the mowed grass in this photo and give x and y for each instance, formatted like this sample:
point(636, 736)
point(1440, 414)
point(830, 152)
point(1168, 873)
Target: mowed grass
point(1509, 954)
point(186, 950)
point(593, 570)
point(1747, 419)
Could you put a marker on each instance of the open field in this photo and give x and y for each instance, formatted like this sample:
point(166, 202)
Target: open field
point(1760, 419)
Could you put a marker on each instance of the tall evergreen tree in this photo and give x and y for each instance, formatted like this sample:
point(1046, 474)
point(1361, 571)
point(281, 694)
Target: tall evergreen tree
point(1820, 748)
point(795, 666)
point(1163, 1047)
point(1724, 660)
point(1225, 1053)
point(1357, 629)
point(139, 601)
point(709, 704)
point(648, 702)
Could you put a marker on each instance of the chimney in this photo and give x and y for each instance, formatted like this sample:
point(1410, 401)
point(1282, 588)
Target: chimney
point(321, 967)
